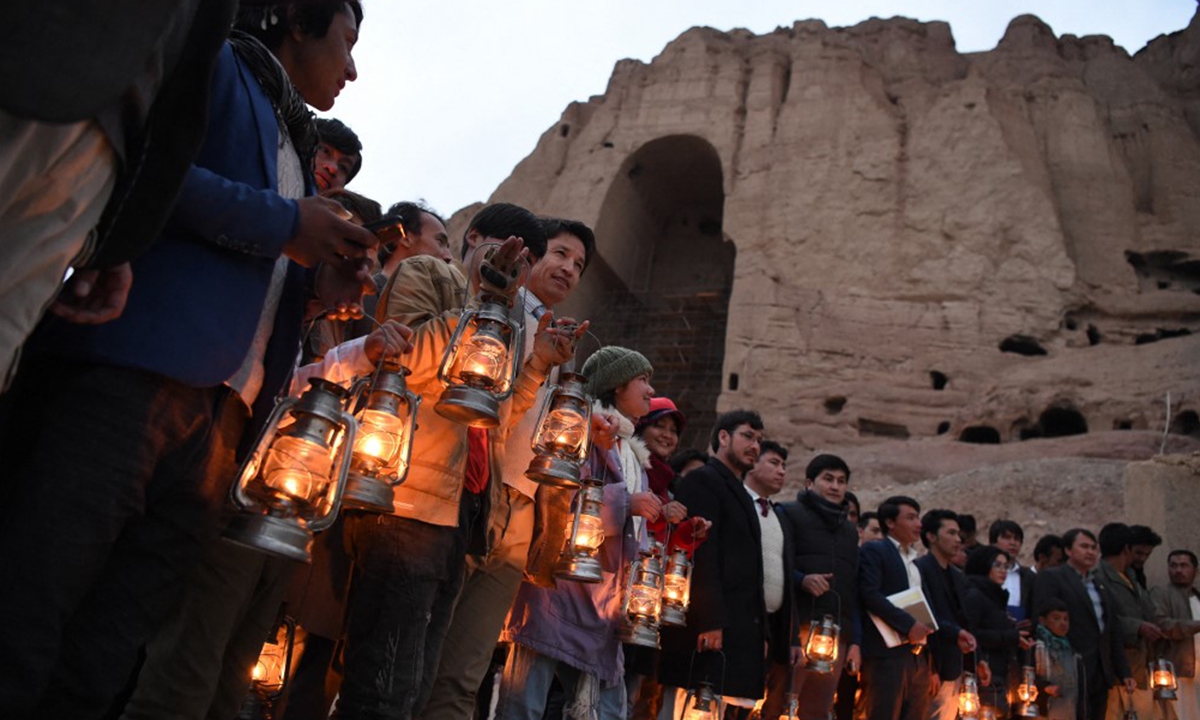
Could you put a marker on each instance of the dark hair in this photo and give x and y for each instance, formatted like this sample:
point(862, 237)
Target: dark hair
point(865, 518)
point(826, 462)
point(1073, 534)
point(931, 523)
point(1114, 538)
point(1051, 604)
point(1143, 535)
point(270, 24)
point(1187, 553)
point(334, 133)
point(890, 509)
point(553, 227)
point(1005, 527)
point(852, 499)
point(980, 560)
point(409, 215)
point(683, 457)
point(731, 421)
point(966, 523)
point(1045, 545)
point(360, 205)
point(770, 446)
point(503, 220)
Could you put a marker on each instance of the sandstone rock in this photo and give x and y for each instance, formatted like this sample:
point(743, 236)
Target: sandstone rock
point(843, 227)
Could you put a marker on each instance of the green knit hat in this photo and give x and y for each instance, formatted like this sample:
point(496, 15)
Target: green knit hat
point(611, 367)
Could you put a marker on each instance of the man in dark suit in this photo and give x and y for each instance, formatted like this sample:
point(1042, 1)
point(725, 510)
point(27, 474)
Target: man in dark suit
point(944, 589)
point(741, 601)
point(895, 680)
point(1091, 632)
point(1009, 536)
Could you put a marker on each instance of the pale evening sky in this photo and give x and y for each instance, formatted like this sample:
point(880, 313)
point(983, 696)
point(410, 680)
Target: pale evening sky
point(452, 94)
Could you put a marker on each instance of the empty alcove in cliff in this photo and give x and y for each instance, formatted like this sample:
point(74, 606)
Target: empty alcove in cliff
point(671, 271)
point(980, 435)
point(1062, 421)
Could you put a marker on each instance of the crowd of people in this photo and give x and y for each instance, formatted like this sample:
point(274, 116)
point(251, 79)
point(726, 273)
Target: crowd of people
point(220, 264)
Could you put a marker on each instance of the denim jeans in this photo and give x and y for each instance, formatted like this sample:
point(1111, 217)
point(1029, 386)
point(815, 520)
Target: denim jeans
point(406, 576)
point(526, 683)
point(114, 483)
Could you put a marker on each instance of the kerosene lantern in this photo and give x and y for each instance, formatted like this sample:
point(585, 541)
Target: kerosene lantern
point(677, 589)
point(643, 600)
point(271, 673)
point(701, 704)
point(560, 443)
point(481, 364)
point(383, 447)
point(1162, 680)
point(791, 711)
point(968, 697)
point(821, 650)
point(291, 485)
point(987, 712)
point(585, 536)
point(1027, 693)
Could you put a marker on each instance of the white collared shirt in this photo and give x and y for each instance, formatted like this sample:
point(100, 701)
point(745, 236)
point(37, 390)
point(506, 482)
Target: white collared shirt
point(909, 557)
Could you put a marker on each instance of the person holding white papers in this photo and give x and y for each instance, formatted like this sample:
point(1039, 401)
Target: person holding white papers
point(895, 674)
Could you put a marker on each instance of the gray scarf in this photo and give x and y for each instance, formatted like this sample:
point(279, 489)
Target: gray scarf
point(294, 118)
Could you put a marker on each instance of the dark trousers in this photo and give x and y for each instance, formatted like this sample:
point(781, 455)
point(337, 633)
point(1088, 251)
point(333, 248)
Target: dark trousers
point(115, 480)
point(406, 576)
point(895, 687)
point(315, 681)
point(1093, 696)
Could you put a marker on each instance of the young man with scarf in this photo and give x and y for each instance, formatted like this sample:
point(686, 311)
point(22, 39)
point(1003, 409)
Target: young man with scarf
point(102, 529)
point(824, 572)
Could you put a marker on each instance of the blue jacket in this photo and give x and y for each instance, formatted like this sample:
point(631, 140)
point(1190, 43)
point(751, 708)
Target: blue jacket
point(881, 573)
point(199, 290)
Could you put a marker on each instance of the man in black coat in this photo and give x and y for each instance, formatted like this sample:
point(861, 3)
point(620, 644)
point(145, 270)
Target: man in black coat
point(944, 587)
point(895, 680)
point(1091, 632)
point(824, 581)
point(741, 603)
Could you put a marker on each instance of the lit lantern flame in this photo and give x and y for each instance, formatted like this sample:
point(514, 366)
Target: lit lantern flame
point(677, 587)
point(1162, 680)
point(379, 439)
point(561, 440)
point(590, 535)
point(298, 468)
point(585, 535)
point(792, 711)
point(481, 364)
point(968, 697)
point(483, 361)
point(1027, 693)
point(821, 650)
point(291, 484)
point(703, 706)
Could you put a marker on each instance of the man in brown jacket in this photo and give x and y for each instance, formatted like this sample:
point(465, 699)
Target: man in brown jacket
point(1177, 610)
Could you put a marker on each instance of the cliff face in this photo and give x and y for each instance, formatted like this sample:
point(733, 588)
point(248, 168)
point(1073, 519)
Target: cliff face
point(914, 244)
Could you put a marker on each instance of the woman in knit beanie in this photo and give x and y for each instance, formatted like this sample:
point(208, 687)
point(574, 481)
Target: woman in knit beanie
point(570, 630)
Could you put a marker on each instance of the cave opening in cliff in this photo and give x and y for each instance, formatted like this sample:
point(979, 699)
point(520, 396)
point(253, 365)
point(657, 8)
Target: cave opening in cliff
point(1062, 421)
point(980, 435)
point(660, 233)
point(1186, 423)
